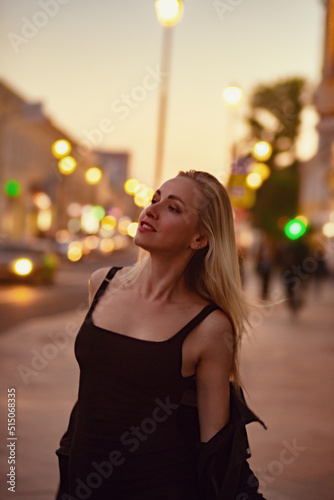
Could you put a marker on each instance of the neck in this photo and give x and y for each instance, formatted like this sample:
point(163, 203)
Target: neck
point(162, 280)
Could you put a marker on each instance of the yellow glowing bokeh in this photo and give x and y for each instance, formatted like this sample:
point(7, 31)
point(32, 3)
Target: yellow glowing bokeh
point(131, 185)
point(89, 223)
point(74, 252)
point(143, 195)
point(93, 175)
point(22, 267)
point(232, 95)
point(262, 169)
point(107, 245)
point(67, 165)
point(61, 148)
point(253, 180)
point(303, 219)
point(262, 150)
point(44, 220)
point(108, 223)
point(132, 229)
point(123, 225)
point(328, 229)
point(42, 200)
point(91, 242)
point(169, 12)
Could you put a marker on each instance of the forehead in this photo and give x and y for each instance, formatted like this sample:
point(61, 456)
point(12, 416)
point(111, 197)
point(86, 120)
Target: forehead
point(184, 188)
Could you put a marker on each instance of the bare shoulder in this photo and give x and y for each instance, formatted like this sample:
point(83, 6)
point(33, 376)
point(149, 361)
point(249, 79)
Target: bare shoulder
point(215, 335)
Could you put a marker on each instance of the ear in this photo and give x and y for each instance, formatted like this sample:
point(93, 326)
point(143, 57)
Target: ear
point(199, 242)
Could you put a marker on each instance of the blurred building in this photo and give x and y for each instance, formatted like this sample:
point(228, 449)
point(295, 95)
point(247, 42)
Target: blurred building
point(317, 175)
point(26, 139)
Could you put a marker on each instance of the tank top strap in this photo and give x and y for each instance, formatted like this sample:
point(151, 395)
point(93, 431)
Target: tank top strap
point(208, 309)
point(109, 276)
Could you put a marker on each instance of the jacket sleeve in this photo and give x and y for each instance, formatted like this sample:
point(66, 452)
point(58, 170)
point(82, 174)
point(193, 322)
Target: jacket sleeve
point(222, 466)
point(223, 469)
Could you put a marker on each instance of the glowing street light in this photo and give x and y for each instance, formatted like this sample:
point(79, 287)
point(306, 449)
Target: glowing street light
point(169, 12)
point(232, 95)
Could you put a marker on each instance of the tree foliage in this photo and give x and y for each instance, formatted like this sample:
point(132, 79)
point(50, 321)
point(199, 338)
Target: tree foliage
point(275, 116)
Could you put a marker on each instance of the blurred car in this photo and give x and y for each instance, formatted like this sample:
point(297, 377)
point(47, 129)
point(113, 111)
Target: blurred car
point(31, 262)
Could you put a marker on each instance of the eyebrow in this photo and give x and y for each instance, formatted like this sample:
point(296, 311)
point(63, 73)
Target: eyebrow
point(171, 197)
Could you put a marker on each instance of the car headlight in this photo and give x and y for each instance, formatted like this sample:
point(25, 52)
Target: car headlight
point(22, 267)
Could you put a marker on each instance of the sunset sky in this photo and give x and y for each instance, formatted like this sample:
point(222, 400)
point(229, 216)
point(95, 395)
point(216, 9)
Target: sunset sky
point(92, 60)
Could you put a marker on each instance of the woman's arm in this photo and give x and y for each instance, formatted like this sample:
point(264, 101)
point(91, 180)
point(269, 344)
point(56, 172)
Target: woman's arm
point(213, 374)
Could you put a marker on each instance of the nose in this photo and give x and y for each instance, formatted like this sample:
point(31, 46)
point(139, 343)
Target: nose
point(152, 211)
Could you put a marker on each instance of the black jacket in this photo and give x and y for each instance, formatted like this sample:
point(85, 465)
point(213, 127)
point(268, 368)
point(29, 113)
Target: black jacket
point(223, 470)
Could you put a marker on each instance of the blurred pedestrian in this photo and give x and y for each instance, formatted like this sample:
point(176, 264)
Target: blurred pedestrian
point(160, 414)
point(295, 274)
point(265, 263)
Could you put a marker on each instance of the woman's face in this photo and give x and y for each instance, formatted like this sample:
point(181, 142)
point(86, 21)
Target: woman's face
point(171, 223)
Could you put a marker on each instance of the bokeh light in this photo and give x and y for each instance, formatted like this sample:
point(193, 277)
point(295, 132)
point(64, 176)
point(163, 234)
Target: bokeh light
point(262, 169)
point(262, 150)
point(67, 165)
point(132, 229)
point(93, 175)
point(131, 185)
point(232, 95)
point(61, 148)
point(169, 12)
point(22, 267)
point(254, 180)
point(75, 251)
point(328, 230)
point(41, 200)
point(107, 245)
point(294, 229)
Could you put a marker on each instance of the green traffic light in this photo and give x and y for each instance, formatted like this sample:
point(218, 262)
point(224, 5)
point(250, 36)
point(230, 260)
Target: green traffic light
point(12, 188)
point(294, 229)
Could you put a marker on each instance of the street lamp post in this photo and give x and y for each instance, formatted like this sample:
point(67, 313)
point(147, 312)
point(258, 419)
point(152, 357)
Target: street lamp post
point(169, 13)
point(232, 96)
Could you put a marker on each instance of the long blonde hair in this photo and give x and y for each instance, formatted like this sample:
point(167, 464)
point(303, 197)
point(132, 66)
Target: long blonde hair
point(213, 272)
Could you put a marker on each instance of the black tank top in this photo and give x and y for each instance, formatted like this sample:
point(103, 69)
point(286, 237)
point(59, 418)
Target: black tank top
point(127, 443)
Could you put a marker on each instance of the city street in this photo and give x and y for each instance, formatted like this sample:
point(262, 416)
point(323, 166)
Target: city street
point(287, 367)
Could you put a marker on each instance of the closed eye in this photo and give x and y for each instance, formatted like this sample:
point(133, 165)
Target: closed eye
point(172, 208)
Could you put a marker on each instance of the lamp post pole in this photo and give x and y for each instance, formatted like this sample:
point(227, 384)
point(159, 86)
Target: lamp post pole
point(163, 101)
point(169, 13)
point(232, 96)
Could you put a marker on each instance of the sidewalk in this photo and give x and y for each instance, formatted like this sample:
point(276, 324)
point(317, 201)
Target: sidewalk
point(287, 368)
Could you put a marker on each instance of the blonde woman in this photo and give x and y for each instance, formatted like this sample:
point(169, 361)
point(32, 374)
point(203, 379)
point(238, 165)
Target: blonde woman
point(159, 414)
